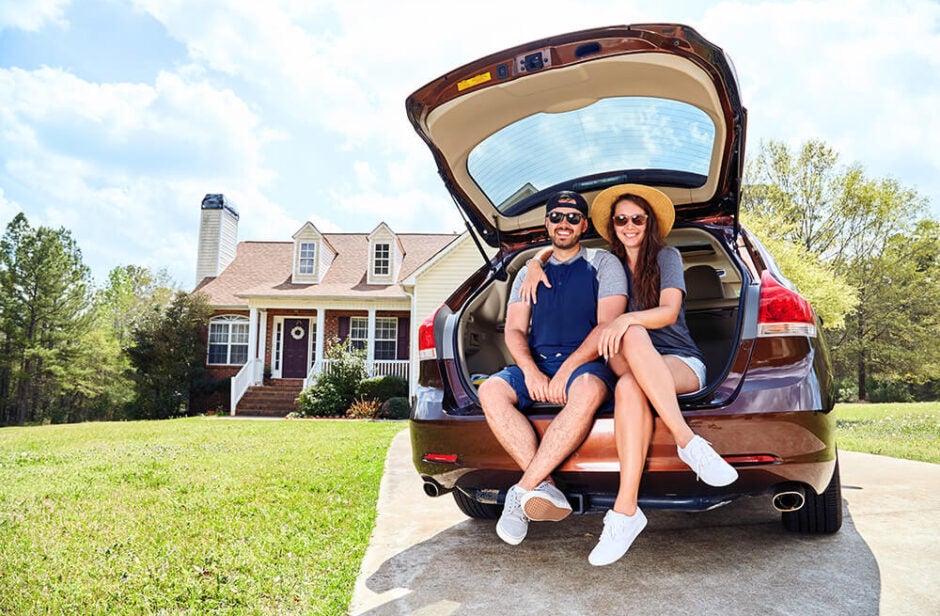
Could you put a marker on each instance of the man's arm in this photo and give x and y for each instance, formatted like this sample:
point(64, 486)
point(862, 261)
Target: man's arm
point(608, 308)
point(516, 337)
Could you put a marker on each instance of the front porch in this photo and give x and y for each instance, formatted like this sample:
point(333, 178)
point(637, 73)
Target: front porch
point(290, 345)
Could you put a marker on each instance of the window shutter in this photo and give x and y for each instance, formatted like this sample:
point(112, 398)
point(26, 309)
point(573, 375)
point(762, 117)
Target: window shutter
point(404, 336)
point(343, 329)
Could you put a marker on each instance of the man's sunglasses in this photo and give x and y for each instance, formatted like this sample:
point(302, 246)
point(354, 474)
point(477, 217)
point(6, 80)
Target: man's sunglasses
point(638, 220)
point(573, 217)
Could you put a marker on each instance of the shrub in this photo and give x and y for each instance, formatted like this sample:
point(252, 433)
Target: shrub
point(363, 409)
point(382, 388)
point(334, 391)
point(396, 408)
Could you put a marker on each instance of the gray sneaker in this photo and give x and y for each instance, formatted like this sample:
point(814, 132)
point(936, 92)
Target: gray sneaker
point(707, 464)
point(546, 503)
point(513, 525)
point(619, 532)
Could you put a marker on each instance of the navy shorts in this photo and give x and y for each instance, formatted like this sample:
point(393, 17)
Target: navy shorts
point(516, 379)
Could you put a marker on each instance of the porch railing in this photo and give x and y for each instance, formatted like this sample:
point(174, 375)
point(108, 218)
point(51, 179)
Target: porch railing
point(249, 375)
point(378, 367)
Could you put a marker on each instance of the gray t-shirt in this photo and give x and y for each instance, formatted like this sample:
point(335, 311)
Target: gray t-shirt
point(611, 279)
point(673, 339)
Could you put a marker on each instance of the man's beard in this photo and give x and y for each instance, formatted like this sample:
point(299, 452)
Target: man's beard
point(564, 243)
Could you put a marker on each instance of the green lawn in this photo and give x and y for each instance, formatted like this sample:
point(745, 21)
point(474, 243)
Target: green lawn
point(189, 516)
point(910, 431)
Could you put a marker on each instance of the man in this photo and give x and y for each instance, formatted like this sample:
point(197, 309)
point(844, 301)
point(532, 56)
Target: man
point(556, 362)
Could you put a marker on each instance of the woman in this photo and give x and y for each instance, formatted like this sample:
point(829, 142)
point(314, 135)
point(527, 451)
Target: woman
point(650, 349)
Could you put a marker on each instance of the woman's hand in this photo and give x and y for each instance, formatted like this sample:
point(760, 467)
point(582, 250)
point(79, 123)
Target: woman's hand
point(534, 274)
point(609, 343)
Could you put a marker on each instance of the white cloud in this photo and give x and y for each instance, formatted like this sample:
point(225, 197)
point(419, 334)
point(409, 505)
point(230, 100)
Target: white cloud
point(32, 15)
point(815, 70)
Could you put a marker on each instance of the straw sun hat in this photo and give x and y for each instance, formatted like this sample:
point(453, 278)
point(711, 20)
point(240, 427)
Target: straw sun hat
point(603, 206)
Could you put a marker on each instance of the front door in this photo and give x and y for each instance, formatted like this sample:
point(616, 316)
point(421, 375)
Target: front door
point(296, 348)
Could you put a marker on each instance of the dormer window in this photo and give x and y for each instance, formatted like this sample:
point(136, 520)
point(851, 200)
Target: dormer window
point(385, 256)
point(313, 255)
point(382, 260)
point(307, 259)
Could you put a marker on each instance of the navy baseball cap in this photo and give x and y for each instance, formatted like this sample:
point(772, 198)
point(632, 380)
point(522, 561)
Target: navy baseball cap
point(565, 199)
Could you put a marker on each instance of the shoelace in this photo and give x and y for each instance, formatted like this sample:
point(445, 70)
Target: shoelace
point(701, 457)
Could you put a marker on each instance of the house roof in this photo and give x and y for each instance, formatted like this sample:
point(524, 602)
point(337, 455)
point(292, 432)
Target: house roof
point(264, 269)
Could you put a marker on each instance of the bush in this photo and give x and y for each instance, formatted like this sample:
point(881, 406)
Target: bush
point(363, 409)
point(334, 391)
point(396, 408)
point(889, 390)
point(382, 388)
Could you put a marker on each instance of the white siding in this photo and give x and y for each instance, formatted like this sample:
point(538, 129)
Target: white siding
point(435, 284)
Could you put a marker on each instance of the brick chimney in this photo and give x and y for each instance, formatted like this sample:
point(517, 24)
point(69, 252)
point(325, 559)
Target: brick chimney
point(218, 236)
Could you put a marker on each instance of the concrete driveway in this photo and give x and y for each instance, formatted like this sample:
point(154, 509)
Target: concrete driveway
point(426, 558)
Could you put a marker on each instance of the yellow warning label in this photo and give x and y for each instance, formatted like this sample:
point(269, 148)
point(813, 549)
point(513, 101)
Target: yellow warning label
point(473, 81)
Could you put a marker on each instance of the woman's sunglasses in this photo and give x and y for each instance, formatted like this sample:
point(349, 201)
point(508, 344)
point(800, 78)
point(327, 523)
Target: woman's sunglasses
point(573, 217)
point(638, 220)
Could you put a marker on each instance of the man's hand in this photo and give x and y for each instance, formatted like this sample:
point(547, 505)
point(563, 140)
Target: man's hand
point(537, 383)
point(558, 384)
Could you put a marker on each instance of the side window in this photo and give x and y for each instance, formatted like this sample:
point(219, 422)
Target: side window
point(386, 338)
point(359, 332)
point(228, 340)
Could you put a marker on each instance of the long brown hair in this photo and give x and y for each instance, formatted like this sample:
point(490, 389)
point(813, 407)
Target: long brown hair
point(646, 276)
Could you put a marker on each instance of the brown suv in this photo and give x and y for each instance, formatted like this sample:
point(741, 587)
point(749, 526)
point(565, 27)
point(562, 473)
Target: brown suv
point(653, 104)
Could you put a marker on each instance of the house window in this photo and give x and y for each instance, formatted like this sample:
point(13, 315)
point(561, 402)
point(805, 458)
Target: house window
point(359, 332)
point(308, 253)
point(386, 338)
point(382, 261)
point(228, 340)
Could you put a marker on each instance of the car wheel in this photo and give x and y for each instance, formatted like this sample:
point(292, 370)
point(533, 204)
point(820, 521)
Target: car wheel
point(822, 513)
point(475, 509)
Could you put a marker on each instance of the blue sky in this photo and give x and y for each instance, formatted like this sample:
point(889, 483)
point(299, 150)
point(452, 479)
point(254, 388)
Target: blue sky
point(117, 116)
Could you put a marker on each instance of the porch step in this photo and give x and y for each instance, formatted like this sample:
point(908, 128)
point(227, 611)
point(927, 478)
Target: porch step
point(276, 399)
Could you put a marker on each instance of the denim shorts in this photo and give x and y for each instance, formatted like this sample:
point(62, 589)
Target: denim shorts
point(697, 366)
point(550, 365)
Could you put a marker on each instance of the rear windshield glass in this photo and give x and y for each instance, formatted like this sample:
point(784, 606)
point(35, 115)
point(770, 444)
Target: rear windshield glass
point(612, 135)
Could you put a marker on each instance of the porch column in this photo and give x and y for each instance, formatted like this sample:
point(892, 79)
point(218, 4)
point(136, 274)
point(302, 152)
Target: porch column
point(321, 332)
point(262, 334)
point(252, 333)
point(370, 342)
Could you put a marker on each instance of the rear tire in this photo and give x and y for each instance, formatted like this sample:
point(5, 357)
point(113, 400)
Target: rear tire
point(475, 509)
point(822, 513)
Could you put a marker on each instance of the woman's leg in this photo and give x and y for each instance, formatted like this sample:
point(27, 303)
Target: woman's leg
point(660, 379)
point(633, 431)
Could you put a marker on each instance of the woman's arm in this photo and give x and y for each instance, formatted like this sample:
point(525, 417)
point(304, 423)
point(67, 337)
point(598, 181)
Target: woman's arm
point(670, 301)
point(534, 275)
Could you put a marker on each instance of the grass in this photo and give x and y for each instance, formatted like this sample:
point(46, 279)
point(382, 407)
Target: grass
point(898, 430)
point(189, 516)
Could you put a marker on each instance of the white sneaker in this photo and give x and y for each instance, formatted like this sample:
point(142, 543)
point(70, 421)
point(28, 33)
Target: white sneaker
point(619, 532)
point(707, 464)
point(513, 525)
point(546, 503)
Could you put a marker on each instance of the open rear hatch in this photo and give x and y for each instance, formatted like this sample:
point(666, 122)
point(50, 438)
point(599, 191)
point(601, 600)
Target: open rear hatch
point(655, 104)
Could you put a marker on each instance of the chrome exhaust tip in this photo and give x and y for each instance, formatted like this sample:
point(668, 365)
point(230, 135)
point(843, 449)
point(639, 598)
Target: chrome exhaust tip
point(789, 497)
point(433, 488)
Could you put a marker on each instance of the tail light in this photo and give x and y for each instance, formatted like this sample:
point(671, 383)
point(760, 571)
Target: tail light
point(783, 312)
point(426, 346)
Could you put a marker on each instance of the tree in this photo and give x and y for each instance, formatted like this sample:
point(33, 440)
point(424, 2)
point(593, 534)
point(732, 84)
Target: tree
point(842, 234)
point(167, 351)
point(45, 293)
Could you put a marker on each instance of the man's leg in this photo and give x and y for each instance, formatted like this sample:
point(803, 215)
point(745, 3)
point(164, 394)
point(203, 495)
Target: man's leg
point(567, 430)
point(510, 427)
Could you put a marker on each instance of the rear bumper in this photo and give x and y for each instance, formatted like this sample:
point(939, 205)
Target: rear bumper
point(800, 443)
